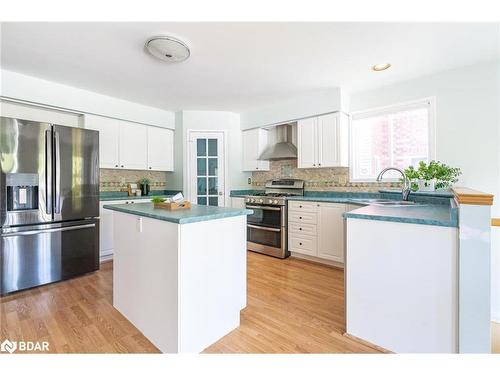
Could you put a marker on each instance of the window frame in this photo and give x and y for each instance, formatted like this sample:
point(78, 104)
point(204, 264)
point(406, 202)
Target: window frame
point(377, 111)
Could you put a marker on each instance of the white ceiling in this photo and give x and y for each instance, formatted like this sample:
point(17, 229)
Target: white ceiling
point(239, 66)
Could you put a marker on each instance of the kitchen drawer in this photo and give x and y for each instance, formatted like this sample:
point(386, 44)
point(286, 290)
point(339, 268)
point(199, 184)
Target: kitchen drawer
point(303, 244)
point(302, 206)
point(302, 229)
point(302, 217)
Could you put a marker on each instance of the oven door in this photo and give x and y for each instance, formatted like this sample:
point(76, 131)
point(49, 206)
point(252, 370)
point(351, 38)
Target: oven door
point(266, 236)
point(267, 216)
point(265, 230)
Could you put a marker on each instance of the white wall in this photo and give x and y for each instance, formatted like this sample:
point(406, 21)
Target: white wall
point(39, 91)
point(309, 104)
point(209, 120)
point(467, 130)
point(35, 113)
point(175, 180)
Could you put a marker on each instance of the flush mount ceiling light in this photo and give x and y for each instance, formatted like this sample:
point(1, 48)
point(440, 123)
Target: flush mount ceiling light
point(167, 48)
point(380, 67)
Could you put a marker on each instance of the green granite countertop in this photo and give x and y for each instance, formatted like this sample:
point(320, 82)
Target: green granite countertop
point(427, 214)
point(242, 193)
point(123, 195)
point(195, 214)
point(435, 209)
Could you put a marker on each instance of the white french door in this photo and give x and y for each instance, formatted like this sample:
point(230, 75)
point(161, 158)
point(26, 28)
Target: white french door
point(206, 168)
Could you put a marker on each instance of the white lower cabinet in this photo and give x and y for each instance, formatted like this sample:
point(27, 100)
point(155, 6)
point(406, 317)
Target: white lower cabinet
point(237, 202)
point(106, 226)
point(316, 229)
point(331, 231)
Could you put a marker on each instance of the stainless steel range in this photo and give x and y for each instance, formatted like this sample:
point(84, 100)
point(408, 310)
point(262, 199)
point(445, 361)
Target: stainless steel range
point(267, 226)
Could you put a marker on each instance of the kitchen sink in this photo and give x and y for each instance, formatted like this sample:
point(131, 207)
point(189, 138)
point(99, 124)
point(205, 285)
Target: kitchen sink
point(387, 202)
point(397, 203)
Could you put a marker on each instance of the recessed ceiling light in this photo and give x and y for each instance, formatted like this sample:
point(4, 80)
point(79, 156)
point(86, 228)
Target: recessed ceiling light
point(380, 67)
point(167, 48)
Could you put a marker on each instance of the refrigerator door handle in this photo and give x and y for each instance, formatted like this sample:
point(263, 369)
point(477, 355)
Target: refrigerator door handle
point(50, 230)
point(57, 172)
point(48, 171)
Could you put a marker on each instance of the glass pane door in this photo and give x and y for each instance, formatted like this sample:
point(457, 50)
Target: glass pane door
point(207, 171)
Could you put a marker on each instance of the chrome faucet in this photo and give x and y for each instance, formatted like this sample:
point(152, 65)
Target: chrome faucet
point(407, 183)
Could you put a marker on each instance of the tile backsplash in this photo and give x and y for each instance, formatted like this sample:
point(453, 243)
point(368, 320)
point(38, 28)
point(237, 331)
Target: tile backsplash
point(118, 179)
point(331, 179)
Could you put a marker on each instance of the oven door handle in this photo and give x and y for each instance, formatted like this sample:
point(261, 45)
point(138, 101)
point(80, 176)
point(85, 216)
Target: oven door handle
point(264, 228)
point(267, 208)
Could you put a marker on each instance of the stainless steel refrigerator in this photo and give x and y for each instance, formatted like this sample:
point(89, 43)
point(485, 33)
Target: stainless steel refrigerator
point(49, 203)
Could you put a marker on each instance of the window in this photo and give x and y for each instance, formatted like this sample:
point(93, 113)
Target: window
point(396, 136)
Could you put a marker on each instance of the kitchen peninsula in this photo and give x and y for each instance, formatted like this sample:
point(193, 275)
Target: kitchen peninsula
point(180, 276)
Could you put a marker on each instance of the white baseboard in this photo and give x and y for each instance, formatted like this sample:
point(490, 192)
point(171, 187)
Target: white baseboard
point(106, 256)
point(317, 260)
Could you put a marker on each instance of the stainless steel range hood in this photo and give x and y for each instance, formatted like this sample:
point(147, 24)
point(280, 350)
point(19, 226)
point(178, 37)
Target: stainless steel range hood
point(283, 148)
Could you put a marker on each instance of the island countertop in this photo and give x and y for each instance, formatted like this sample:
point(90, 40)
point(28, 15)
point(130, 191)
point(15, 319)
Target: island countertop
point(195, 214)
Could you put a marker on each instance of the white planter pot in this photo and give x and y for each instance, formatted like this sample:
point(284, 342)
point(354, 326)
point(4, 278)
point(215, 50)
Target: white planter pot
point(426, 185)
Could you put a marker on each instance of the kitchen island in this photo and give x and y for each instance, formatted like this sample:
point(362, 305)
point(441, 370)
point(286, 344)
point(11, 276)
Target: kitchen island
point(180, 276)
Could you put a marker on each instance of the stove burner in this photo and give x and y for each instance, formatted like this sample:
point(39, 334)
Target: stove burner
point(275, 195)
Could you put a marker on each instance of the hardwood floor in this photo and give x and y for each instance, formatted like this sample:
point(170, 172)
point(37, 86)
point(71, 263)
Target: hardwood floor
point(294, 306)
point(74, 316)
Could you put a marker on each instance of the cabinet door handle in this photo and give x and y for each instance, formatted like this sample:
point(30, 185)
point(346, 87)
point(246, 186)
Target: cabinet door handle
point(116, 165)
point(300, 243)
point(300, 228)
point(300, 217)
point(149, 167)
point(122, 166)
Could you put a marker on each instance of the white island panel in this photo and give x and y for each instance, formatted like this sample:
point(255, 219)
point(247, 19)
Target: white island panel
point(212, 272)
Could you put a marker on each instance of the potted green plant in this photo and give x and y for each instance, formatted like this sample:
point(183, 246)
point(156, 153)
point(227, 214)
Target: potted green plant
point(432, 176)
point(144, 182)
point(413, 176)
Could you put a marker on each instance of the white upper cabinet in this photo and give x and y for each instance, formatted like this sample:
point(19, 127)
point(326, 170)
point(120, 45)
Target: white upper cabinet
point(254, 143)
point(128, 145)
point(323, 141)
point(160, 149)
point(306, 143)
point(133, 146)
point(109, 156)
point(328, 137)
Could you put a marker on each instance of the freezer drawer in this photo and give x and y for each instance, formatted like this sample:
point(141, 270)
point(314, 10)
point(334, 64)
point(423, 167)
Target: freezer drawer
point(37, 255)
